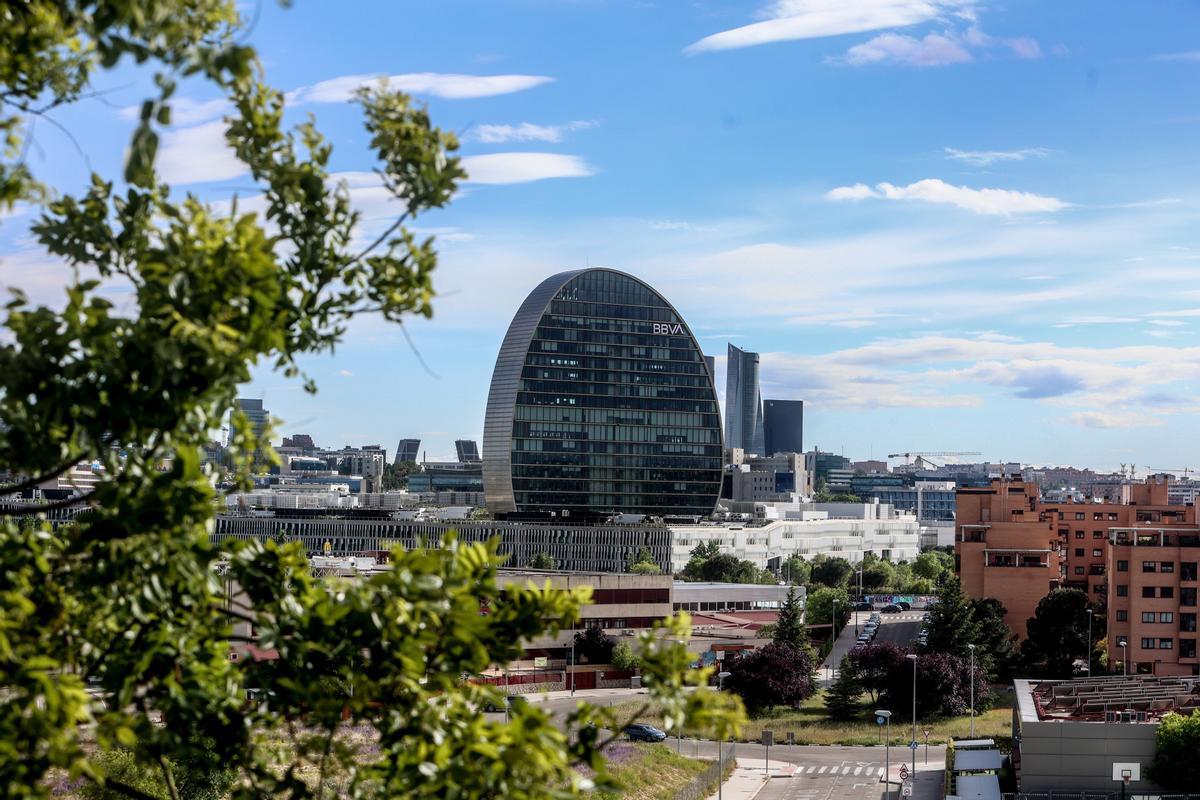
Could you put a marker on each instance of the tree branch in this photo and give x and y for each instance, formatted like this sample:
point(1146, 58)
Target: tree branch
point(378, 241)
point(29, 483)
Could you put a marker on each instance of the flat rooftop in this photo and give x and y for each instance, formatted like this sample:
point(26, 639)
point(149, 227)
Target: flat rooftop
point(1115, 698)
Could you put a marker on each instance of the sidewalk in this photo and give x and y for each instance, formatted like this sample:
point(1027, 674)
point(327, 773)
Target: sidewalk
point(846, 639)
point(584, 694)
point(750, 776)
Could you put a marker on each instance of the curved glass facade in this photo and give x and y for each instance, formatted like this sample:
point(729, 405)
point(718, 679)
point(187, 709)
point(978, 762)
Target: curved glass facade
point(601, 401)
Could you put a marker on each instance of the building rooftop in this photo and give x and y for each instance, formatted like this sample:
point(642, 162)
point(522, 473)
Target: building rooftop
point(1117, 698)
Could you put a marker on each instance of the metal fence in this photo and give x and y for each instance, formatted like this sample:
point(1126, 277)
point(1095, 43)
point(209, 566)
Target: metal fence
point(705, 783)
point(1117, 795)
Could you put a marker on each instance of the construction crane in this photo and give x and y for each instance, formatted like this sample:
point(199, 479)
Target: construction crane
point(923, 456)
point(1172, 470)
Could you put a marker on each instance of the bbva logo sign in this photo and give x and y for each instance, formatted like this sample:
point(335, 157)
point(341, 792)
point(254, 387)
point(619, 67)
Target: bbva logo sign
point(667, 329)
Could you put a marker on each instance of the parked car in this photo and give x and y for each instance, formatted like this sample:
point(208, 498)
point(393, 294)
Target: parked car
point(904, 605)
point(512, 701)
point(892, 608)
point(643, 732)
point(863, 607)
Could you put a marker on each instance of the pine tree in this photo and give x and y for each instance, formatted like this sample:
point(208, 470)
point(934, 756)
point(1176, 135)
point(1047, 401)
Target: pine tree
point(789, 629)
point(841, 698)
point(952, 623)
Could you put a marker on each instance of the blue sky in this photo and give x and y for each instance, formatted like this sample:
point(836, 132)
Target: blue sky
point(945, 224)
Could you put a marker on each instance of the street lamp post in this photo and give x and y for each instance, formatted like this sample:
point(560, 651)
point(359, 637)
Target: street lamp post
point(572, 665)
point(721, 676)
point(971, 678)
point(1089, 646)
point(886, 716)
point(1124, 657)
point(913, 658)
point(833, 639)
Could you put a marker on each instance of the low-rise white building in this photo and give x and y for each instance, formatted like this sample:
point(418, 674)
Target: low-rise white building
point(845, 530)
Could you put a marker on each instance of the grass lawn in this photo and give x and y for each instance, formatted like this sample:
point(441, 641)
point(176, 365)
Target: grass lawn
point(649, 771)
point(811, 725)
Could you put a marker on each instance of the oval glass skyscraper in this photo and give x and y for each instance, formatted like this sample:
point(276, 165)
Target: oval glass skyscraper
point(601, 402)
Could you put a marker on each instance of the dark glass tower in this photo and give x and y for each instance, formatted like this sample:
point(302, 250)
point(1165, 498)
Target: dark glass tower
point(743, 403)
point(783, 426)
point(601, 402)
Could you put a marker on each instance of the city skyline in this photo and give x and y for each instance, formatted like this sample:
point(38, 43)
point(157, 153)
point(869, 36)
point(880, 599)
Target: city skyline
point(972, 231)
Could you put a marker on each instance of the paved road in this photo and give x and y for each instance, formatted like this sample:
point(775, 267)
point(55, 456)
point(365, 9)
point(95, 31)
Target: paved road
point(898, 628)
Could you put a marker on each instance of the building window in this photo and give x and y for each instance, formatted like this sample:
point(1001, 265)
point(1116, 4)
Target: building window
point(1097, 552)
point(1166, 616)
point(1097, 534)
point(1078, 534)
point(1122, 566)
point(1187, 597)
point(1149, 566)
point(1080, 515)
point(1122, 590)
point(1187, 648)
point(1147, 616)
point(1187, 571)
point(1147, 643)
point(1166, 591)
point(1122, 615)
point(1079, 570)
point(1187, 622)
point(1097, 515)
point(1147, 591)
point(1166, 566)
point(1166, 644)
point(1079, 552)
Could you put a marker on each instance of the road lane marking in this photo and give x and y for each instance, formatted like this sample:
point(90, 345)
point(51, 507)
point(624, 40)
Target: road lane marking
point(857, 770)
point(821, 770)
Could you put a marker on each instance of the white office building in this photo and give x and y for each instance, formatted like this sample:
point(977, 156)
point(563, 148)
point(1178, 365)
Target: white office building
point(845, 530)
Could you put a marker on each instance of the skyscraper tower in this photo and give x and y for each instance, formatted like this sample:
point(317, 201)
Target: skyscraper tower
point(743, 403)
point(783, 423)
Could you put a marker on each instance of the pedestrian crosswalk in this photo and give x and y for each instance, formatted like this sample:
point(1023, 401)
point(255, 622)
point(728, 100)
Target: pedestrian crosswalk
point(839, 769)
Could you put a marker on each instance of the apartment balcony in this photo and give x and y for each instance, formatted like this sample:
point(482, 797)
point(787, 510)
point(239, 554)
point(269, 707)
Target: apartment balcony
point(1154, 537)
point(1096, 569)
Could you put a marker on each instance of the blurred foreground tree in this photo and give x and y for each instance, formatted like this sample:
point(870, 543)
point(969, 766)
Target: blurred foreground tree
point(130, 596)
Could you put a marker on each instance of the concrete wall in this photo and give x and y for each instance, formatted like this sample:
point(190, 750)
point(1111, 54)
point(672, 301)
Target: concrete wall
point(1078, 756)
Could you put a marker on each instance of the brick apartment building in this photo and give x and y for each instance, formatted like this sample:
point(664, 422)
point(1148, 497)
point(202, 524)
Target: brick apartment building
point(1138, 559)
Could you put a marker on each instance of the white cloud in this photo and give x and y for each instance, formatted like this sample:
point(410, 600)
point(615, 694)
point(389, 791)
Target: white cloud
point(982, 158)
point(859, 191)
point(526, 132)
point(185, 111)
point(345, 373)
point(524, 167)
point(934, 50)
point(1167, 323)
point(1189, 55)
point(932, 190)
point(1103, 420)
point(1183, 312)
point(433, 84)
point(790, 20)
point(198, 155)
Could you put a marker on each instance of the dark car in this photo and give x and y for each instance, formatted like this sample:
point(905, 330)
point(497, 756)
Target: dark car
point(904, 605)
point(863, 607)
point(641, 732)
point(892, 608)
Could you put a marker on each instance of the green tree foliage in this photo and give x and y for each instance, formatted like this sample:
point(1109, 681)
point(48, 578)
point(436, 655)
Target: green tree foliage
point(819, 606)
point(878, 575)
point(593, 646)
point(624, 657)
point(842, 698)
point(395, 476)
point(127, 597)
point(724, 568)
point(874, 666)
point(1057, 634)
point(830, 571)
point(824, 496)
point(943, 685)
point(789, 627)
point(951, 623)
point(542, 560)
point(1175, 766)
point(643, 563)
point(774, 675)
point(996, 648)
point(933, 565)
point(796, 571)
